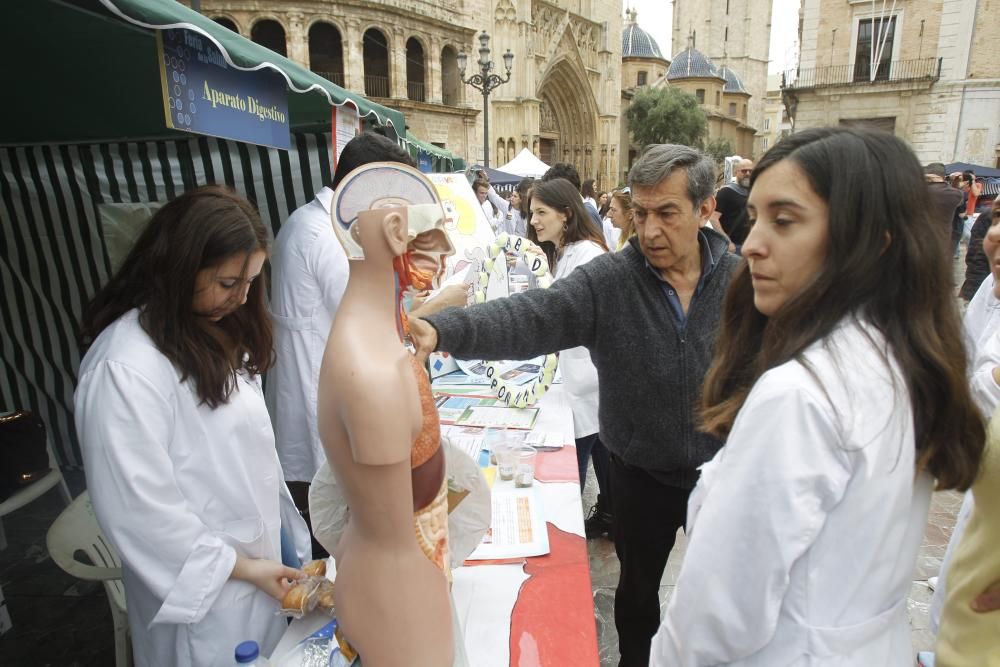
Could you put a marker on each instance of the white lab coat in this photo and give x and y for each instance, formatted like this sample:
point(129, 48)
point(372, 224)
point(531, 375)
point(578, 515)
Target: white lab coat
point(805, 527)
point(309, 272)
point(982, 343)
point(179, 489)
point(578, 371)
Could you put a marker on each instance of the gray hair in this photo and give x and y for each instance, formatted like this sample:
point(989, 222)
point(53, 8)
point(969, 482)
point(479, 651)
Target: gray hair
point(658, 161)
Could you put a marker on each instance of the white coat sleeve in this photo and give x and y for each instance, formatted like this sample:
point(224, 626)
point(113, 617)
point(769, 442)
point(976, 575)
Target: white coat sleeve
point(125, 424)
point(327, 263)
point(985, 391)
point(772, 485)
point(502, 204)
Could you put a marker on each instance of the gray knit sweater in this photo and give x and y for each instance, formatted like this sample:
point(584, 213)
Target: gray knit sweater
point(650, 371)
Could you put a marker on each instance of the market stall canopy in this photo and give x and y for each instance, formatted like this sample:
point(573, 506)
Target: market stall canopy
point(87, 70)
point(499, 179)
point(525, 164)
point(981, 172)
point(437, 159)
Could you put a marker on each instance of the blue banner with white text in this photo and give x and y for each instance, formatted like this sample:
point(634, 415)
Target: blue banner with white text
point(204, 94)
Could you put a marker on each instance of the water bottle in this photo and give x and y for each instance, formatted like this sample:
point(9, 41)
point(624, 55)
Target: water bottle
point(248, 653)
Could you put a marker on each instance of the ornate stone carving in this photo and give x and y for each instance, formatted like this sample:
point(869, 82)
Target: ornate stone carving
point(505, 12)
point(546, 119)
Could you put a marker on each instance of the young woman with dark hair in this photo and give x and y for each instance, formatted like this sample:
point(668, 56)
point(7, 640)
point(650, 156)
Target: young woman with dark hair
point(840, 383)
point(559, 224)
point(176, 439)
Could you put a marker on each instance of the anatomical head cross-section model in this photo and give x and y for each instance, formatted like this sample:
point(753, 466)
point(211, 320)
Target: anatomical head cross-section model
point(380, 427)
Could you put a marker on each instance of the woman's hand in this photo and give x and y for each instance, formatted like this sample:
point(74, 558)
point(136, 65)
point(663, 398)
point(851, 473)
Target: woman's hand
point(269, 576)
point(424, 336)
point(988, 600)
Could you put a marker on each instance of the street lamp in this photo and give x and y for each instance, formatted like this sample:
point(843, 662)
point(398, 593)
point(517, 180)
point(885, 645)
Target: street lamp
point(485, 82)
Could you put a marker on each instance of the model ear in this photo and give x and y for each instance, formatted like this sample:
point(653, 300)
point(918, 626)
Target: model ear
point(395, 228)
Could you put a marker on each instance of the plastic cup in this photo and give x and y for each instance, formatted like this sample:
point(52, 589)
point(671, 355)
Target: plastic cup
point(491, 438)
point(524, 474)
point(506, 461)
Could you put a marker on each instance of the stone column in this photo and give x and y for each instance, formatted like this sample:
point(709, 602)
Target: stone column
point(397, 63)
point(432, 71)
point(354, 61)
point(297, 39)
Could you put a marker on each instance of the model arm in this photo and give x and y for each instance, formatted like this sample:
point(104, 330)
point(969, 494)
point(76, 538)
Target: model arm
point(767, 496)
point(125, 424)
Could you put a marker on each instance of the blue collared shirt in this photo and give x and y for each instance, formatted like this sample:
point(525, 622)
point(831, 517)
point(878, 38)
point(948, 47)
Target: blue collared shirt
point(670, 294)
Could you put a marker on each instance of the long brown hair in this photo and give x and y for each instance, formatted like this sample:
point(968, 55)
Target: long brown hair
point(200, 229)
point(560, 195)
point(903, 289)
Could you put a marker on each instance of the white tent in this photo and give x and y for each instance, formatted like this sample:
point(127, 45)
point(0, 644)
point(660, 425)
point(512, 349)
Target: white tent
point(525, 164)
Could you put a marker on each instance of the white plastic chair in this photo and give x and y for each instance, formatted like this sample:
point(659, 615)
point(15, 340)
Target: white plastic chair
point(76, 530)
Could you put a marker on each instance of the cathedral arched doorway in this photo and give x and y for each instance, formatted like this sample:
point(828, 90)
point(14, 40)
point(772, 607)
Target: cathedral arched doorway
point(568, 119)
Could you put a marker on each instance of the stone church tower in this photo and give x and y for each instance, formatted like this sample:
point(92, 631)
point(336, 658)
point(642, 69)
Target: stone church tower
point(735, 34)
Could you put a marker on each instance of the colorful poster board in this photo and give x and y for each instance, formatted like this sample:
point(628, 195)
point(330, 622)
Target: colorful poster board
point(204, 94)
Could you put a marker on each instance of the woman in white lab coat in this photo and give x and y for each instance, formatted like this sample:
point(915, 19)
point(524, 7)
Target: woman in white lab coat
point(176, 439)
point(563, 229)
point(840, 383)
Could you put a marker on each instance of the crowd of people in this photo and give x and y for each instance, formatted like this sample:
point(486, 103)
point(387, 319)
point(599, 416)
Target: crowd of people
point(777, 367)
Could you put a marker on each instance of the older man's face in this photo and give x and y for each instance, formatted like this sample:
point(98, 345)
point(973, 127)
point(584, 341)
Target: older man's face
point(667, 223)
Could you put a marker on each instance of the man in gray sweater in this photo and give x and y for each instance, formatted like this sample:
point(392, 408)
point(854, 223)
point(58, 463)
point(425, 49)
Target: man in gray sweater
point(649, 316)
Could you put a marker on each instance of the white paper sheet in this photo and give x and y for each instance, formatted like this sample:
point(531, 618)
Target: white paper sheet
point(517, 528)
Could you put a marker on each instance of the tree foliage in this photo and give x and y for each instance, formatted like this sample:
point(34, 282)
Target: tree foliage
point(666, 115)
point(719, 148)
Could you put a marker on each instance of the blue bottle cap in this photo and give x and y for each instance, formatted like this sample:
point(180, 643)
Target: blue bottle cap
point(247, 651)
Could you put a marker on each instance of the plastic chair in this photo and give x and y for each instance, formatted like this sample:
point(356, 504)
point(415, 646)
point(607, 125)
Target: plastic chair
point(76, 530)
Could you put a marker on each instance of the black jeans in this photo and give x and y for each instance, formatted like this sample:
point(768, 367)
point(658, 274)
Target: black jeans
point(587, 447)
point(647, 516)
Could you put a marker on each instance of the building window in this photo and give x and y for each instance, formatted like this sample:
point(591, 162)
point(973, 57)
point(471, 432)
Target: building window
point(415, 70)
point(763, 143)
point(326, 52)
point(718, 98)
point(375, 52)
point(744, 112)
point(727, 7)
point(732, 108)
point(226, 23)
point(767, 124)
point(640, 79)
point(874, 32)
point(700, 94)
point(449, 77)
point(269, 34)
point(726, 38)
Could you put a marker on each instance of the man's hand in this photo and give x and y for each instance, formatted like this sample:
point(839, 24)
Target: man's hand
point(269, 576)
point(988, 600)
point(424, 336)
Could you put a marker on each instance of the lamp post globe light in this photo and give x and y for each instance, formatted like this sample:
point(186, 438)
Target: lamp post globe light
point(485, 82)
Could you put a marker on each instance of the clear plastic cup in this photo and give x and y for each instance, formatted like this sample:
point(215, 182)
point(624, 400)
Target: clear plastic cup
point(491, 438)
point(524, 474)
point(506, 461)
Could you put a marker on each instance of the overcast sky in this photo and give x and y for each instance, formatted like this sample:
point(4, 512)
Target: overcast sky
point(655, 17)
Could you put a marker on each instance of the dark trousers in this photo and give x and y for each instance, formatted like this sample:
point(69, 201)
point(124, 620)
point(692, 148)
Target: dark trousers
point(587, 447)
point(647, 516)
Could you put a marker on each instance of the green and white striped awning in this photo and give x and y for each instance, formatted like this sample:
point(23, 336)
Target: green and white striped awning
point(87, 70)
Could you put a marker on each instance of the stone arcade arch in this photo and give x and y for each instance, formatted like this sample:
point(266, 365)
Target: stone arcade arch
point(271, 34)
point(568, 129)
point(326, 51)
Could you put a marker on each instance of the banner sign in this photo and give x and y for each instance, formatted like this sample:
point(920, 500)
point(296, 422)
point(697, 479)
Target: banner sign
point(203, 94)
